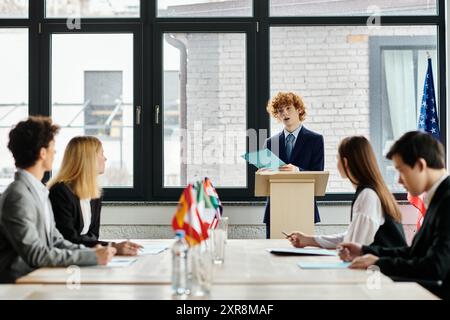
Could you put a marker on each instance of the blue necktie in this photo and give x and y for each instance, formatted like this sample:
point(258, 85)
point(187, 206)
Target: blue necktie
point(289, 146)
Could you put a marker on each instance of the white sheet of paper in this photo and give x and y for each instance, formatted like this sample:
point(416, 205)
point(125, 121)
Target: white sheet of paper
point(323, 265)
point(152, 249)
point(121, 262)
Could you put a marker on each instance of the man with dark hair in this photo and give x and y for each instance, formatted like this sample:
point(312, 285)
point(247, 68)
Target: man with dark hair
point(27, 139)
point(414, 145)
point(419, 158)
point(28, 236)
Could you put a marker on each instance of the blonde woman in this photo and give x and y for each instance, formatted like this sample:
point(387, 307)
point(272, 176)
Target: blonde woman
point(76, 196)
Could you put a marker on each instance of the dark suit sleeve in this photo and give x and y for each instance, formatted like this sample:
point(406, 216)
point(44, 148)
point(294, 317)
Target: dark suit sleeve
point(95, 227)
point(435, 264)
point(317, 160)
point(387, 252)
point(64, 210)
point(94, 230)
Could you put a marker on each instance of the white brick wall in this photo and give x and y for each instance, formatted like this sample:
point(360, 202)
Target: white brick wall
point(216, 95)
point(332, 68)
point(329, 66)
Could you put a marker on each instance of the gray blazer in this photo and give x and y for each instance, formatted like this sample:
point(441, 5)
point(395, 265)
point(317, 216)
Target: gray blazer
point(24, 243)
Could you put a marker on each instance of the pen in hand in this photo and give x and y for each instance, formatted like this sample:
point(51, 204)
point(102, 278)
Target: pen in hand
point(287, 236)
point(340, 252)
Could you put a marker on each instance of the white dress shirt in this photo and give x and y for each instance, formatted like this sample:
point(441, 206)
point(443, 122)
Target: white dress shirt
point(87, 214)
point(367, 219)
point(429, 195)
point(294, 133)
point(42, 192)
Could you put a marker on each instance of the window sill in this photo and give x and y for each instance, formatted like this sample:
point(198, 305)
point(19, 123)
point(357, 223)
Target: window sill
point(225, 203)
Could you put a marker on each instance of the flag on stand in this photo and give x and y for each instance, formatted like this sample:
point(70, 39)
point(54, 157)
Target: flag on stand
point(428, 122)
point(187, 218)
point(198, 209)
point(215, 206)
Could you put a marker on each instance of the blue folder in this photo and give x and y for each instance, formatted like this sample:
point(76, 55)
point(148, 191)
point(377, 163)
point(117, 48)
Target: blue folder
point(264, 159)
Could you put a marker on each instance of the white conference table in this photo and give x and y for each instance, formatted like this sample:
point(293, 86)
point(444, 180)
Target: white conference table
point(392, 291)
point(249, 272)
point(246, 262)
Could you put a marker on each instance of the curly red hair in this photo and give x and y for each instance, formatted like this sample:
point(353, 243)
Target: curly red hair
point(284, 99)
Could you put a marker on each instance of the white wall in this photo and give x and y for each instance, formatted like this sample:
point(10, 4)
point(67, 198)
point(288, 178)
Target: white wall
point(143, 221)
point(239, 215)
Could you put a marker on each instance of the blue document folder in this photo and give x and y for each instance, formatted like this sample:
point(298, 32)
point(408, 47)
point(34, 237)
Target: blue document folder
point(264, 159)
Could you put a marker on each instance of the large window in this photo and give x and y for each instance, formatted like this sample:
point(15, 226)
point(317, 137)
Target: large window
point(13, 9)
point(399, 65)
point(205, 105)
point(92, 94)
point(307, 8)
point(204, 8)
point(331, 68)
point(92, 8)
point(177, 89)
point(14, 93)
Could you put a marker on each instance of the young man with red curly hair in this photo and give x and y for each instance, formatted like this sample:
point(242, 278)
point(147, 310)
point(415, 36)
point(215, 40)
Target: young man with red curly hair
point(300, 148)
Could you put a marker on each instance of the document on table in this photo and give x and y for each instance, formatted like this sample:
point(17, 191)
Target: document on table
point(152, 249)
point(323, 265)
point(302, 251)
point(264, 159)
point(121, 262)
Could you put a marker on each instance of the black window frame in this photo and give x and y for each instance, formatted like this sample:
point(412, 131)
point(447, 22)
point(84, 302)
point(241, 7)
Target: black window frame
point(168, 193)
point(148, 30)
point(136, 192)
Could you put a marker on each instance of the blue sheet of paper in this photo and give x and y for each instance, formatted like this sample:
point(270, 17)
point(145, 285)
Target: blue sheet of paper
point(302, 251)
point(264, 159)
point(152, 249)
point(323, 265)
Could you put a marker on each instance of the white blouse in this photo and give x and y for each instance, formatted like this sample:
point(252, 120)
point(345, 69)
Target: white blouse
point(87, 214)
point(367, 219)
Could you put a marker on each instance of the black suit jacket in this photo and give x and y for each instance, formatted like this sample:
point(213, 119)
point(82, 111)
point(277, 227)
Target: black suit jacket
point(69, 219)
point(428, 258)
point(307, 155)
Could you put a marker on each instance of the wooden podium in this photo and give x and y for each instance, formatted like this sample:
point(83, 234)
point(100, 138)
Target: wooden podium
point(291, 199)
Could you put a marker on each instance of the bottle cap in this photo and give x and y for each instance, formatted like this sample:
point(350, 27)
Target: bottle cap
point(180, 233)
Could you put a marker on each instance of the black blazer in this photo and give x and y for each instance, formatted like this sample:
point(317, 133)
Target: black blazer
point(307, 155)
point(69, 218)
point(428, 258)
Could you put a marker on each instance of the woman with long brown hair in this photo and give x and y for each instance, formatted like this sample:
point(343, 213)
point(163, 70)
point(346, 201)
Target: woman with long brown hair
point(375, 216)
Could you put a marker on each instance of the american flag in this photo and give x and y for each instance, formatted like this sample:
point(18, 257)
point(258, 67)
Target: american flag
point(428, 122)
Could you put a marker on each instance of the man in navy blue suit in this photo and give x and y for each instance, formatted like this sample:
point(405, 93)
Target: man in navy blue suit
point(297, 146)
